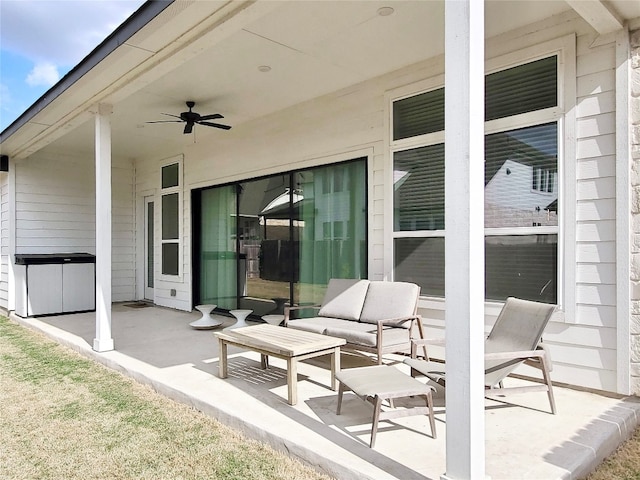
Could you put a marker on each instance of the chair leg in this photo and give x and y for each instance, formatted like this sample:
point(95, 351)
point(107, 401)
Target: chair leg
point(547, 380)
point(432, 420)
point(340, 392)
point(377, 407)
point(421, 331)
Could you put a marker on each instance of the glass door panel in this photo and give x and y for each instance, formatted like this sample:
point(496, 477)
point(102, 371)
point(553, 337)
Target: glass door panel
point(218, 260)
point(264, 244)
point(329, 227)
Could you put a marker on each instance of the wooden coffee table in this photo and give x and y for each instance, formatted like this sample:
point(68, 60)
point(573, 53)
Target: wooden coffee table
point(285, 343)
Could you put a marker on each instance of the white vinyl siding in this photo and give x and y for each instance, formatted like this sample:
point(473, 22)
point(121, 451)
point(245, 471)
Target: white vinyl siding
point(55, 213)
point(591, 345)
point(4, 240)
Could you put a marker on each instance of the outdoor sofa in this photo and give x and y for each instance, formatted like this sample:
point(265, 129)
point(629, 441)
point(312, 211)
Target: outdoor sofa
point(372, 316)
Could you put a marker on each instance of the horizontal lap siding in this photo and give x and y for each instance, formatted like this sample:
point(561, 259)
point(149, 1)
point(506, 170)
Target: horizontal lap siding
point(55, 213)
point(4, 241)
point(55, 206)
point(123, 220)
point(585, 353)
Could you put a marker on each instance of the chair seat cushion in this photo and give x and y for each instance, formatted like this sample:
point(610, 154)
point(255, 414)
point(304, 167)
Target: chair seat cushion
point(316, 324)
point(365, 334)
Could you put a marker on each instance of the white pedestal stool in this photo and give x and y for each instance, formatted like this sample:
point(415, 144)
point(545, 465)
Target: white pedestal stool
point(206, 322)
point(241, 315)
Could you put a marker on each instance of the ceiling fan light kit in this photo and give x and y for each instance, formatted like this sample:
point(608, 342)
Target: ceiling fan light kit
point(192, 118)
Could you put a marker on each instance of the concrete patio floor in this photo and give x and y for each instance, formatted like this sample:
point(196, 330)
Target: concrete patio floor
point(157, 347)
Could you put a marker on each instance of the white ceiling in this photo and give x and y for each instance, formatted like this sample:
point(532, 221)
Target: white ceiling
point(312, 47)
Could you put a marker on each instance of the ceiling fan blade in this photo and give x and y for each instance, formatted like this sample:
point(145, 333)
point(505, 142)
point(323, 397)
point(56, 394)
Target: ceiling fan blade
point(171, 115)
point(211, 117)
point(166, 121)
point(188, 128)
point(217, 125)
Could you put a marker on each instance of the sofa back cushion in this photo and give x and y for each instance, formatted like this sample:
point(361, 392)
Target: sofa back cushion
point(344, 298)
point(390, 300)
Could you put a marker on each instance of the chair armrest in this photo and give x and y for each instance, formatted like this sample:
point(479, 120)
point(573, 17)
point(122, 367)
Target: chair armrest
point(509, 358)
point(288, 309)
point(416, 342)
point(519, 355)
point(396, 322)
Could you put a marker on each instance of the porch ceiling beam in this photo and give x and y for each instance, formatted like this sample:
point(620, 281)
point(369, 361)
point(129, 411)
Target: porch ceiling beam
point(601, 16)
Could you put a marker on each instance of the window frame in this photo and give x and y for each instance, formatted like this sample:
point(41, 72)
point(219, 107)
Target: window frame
point(177, 189)
point(563, 113)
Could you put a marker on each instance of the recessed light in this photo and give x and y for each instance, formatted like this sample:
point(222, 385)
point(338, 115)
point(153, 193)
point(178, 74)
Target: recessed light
point(385, 11)
point(264, 68)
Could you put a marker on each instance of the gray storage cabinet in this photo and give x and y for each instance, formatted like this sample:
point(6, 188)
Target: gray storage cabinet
point(48, 284)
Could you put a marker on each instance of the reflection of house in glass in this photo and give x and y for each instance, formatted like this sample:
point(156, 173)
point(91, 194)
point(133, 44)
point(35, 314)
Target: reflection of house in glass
point(521, 178)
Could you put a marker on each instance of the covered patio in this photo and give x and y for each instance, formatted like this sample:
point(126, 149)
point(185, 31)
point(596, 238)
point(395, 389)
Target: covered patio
point(317, 86)
point(157, 347)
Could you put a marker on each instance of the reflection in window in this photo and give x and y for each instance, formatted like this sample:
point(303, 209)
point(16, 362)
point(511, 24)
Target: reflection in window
point(264, 243)
point(521, 185)
point(512, 159)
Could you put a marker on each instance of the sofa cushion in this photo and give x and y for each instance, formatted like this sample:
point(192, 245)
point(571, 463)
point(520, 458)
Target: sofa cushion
point(390, 300)
point(344, 298)
point(365, 334)
point(315, 324)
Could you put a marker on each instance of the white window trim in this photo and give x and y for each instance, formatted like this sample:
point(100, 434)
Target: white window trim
point(179, 189)
point(564, 113)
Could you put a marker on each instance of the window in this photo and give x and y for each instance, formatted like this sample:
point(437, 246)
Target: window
point(521, 184)
point(171, 195)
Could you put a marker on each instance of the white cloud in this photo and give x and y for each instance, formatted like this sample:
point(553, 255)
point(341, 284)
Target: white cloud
point(61, 32)
point(43, 74)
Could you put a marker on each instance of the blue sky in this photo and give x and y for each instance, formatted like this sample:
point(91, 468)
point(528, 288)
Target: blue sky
point(41, 40)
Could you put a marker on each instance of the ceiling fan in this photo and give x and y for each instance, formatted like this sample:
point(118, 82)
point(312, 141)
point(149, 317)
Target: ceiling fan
point(191, 118)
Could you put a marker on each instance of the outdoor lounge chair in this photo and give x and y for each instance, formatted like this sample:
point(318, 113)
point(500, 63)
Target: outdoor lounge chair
point(514, 339)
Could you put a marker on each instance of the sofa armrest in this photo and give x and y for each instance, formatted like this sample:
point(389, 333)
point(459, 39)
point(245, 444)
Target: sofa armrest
point(288, 309)
point(397, 322)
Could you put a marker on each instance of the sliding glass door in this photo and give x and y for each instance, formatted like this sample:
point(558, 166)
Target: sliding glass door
point(264, 243)
point(216, 257)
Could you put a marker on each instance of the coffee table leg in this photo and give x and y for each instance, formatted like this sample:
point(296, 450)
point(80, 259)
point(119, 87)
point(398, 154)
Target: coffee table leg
point(292, 380)
point(223, 359)
point(335, 367)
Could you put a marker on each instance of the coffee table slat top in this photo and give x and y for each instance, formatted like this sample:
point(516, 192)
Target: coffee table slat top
point(284, 341)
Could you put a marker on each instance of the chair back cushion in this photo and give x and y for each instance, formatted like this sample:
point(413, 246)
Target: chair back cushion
point(390, 300)
point(344, 298)
point(519, 327)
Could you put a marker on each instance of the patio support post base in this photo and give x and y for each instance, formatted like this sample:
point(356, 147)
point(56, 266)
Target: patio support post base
point(105, 345)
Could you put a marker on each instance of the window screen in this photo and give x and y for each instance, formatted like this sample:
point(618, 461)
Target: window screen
point(522, 89)
point(418, 115)
point(419, 188)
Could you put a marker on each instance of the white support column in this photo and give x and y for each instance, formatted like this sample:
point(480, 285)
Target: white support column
point(464, 238)
point(103, 341)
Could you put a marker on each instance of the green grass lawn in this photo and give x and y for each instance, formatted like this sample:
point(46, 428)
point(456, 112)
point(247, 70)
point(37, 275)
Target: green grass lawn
point(66, 417)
